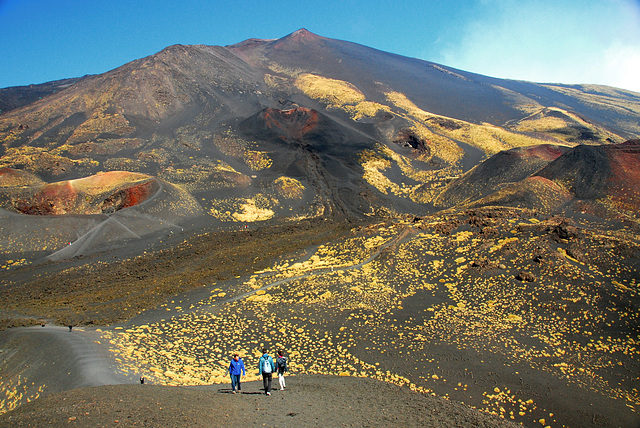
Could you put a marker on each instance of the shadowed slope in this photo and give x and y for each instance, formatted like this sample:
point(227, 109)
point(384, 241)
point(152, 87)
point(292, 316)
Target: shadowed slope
point(594, 171)
point(505, 167)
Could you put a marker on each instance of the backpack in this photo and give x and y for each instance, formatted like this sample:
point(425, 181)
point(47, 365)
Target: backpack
point(266, 366)
point(281, 363)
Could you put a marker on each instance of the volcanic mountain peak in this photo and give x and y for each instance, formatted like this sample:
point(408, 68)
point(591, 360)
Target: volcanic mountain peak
point(303, 35)
point(240, 166)
point(298, 37)
point(302, 38)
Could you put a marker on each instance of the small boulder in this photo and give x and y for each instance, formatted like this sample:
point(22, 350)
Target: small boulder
point(564, 232)
point(526, 276)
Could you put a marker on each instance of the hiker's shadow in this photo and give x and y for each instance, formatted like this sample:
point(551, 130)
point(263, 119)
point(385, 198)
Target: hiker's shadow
point(230, 391)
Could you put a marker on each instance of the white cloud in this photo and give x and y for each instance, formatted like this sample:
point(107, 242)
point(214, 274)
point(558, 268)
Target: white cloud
point(621, 67)
point(593, 41)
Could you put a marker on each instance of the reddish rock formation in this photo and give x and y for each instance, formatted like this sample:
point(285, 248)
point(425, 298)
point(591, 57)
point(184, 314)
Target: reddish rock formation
point(623, 185)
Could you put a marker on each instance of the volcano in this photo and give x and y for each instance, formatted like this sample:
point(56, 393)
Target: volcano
point(451, 233)
point(356, 131)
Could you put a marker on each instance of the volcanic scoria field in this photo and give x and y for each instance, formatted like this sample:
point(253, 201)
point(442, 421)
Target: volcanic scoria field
point(375, 216)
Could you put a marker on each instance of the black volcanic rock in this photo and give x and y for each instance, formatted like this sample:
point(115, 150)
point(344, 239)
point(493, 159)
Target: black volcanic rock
point(316, 149)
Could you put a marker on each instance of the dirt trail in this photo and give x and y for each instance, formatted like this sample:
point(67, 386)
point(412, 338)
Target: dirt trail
point(49, 359)
point(307, 401)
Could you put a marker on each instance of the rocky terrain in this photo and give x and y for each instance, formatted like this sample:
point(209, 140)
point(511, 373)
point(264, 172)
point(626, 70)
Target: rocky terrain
point(380, 218)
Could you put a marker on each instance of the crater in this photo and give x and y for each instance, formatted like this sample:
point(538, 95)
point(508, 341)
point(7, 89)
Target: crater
point(98, 194)
point(408, 139)
point(293, 123)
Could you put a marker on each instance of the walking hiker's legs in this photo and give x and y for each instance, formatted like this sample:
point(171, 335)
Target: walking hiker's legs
point(281, 381)
point(235, 382)
point(266, 380)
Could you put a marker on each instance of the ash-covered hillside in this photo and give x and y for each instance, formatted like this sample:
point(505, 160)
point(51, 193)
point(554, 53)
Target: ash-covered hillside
point(280, 130)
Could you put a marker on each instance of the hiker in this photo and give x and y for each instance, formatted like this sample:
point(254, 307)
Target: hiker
point(236, 368)
point(281, 368)
point(266, 369)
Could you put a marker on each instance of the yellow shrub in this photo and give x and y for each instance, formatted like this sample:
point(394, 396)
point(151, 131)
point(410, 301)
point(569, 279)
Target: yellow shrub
point(335, 93)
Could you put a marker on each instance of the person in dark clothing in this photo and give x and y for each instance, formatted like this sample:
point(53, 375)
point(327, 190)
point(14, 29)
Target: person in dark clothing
point(281, 368)
point(266, 369)
point(236, 368)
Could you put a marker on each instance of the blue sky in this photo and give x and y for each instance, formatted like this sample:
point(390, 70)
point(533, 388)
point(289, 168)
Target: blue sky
point(572, 41)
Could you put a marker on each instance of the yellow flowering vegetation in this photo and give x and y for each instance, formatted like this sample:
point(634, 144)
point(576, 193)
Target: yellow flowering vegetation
point(424, 184)
point(245, 210)
point(348, 301)
point(338, 94)
point(289, 188)
point(257, 160)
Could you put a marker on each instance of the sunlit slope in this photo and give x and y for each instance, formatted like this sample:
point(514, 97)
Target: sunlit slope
point(172, 114)
point(70, 218)
point(139, 117)
point(564, 126)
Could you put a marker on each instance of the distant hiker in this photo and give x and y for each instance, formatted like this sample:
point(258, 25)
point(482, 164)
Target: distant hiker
point(236, 368)
point(141, 380)
point(70, 328)
point(281, 368)
point(266, 369)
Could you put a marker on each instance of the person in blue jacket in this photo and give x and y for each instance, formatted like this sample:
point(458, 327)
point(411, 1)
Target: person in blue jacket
point(266, 369)
point(236, 368)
